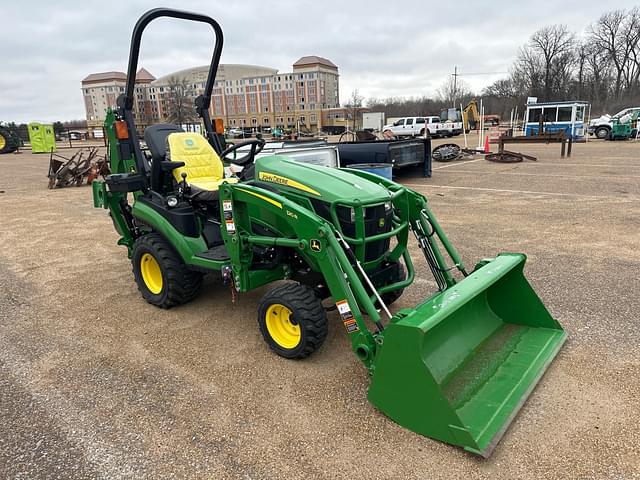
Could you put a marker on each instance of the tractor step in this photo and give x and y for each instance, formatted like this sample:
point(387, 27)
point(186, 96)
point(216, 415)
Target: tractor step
point(218, 253)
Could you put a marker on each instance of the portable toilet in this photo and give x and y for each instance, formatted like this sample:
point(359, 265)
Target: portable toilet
point(49, 138)
point(41, 138)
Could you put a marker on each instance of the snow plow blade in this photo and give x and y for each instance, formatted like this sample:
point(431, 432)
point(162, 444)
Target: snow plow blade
point(459, 366)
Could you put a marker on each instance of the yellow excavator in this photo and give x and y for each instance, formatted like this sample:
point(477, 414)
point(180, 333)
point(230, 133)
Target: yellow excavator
point(471, 117)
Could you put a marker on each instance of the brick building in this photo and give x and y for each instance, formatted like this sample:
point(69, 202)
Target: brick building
point(243, 95)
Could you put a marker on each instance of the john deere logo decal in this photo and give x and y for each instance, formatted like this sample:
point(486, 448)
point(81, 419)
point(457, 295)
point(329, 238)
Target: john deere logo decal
point(381, 222)
point(280, 180)
point(316, 246)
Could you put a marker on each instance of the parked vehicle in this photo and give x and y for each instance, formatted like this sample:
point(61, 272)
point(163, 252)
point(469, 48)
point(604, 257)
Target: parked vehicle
point(234, 132)
point(406, 127)
point(624, 127)
point(399, 153)
point(438, 128)
point(414, 126)
point(601, 127)
point(453, 118)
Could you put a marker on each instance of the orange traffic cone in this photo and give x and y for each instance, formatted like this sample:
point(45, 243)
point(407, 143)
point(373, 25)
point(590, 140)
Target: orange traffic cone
point(486, 144)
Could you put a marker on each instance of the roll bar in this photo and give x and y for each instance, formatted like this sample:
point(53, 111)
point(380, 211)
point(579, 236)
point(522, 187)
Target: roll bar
point(134, 53)
point(202, 102)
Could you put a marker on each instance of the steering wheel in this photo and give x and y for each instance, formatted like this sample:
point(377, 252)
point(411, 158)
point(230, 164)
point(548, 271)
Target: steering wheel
point(257, 144)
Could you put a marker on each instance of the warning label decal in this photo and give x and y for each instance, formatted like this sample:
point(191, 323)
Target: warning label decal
point(347, 317)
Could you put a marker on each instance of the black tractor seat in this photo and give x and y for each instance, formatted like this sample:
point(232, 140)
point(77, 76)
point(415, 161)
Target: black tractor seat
point(155, 136)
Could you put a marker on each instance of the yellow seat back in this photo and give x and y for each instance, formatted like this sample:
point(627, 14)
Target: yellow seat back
point(203, 166)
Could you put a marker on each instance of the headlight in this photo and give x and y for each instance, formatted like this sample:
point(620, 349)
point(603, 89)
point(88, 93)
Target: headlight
point(387, 207)
point(353, 214)
point(172, 201)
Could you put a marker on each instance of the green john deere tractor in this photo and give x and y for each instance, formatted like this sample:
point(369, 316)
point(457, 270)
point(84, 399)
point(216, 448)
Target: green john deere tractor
point(456, 367)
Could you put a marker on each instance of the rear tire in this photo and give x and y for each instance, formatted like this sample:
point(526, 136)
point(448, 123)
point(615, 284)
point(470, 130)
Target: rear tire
point(162, 277)
point(292, 320)
point(7, 145)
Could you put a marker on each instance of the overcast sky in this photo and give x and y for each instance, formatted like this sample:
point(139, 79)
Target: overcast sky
point(382, 48)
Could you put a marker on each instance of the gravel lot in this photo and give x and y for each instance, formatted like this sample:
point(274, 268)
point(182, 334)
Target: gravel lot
point(96, 383)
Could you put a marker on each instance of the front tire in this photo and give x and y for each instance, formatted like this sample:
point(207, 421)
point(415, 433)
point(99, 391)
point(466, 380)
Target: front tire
point(162, 277)
point(602, 133)
point(292, 320)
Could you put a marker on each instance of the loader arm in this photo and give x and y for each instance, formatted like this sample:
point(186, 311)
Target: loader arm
point(456, 367)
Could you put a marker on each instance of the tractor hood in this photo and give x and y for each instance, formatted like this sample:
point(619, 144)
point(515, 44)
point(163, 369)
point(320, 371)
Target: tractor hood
point(324, 183)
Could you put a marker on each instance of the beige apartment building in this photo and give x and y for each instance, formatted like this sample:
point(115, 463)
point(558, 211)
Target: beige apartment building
point(101, 90)
point(243, 95)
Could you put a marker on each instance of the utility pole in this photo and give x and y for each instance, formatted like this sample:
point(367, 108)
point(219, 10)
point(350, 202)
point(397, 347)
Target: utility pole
point(455, 84)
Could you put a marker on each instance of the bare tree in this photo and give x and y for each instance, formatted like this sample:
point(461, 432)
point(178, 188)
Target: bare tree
point(354, 106)
point(631, 33)
point(180, 104)
point(609, 35)
point(552, 49)
point(526, 74)
point(407, 106)
point(454, 91)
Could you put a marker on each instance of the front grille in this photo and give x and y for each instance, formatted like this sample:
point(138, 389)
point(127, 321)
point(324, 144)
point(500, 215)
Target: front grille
point(376, 221)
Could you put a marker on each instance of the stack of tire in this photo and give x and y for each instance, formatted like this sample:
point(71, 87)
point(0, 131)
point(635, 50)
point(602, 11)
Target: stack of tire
point(7, 141)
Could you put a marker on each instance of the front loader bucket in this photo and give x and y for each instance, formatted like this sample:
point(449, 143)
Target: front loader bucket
point(459, 366)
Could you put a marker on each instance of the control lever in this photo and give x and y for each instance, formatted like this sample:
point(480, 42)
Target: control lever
point(184, 187)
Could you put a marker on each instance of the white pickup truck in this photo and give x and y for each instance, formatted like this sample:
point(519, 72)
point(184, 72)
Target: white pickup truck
point(414, 126)
point(601, 127)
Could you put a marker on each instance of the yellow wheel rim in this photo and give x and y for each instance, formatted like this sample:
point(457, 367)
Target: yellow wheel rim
point(151, 273)
point(280, 328)
point(3, 142)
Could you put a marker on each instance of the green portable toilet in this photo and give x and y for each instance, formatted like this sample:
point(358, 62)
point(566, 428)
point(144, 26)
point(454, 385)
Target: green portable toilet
point(49, 138)
point(41, 137)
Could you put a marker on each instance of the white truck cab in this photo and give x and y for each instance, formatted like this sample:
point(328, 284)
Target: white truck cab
point(406, 127)
point(414, 126)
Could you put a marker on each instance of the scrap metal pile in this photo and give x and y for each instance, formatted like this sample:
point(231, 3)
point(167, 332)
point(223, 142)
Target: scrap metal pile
point(84, 164)
point(450, 151)
point(506, 156)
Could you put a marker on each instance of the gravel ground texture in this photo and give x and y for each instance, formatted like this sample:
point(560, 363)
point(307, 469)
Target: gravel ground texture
point(96, 383)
